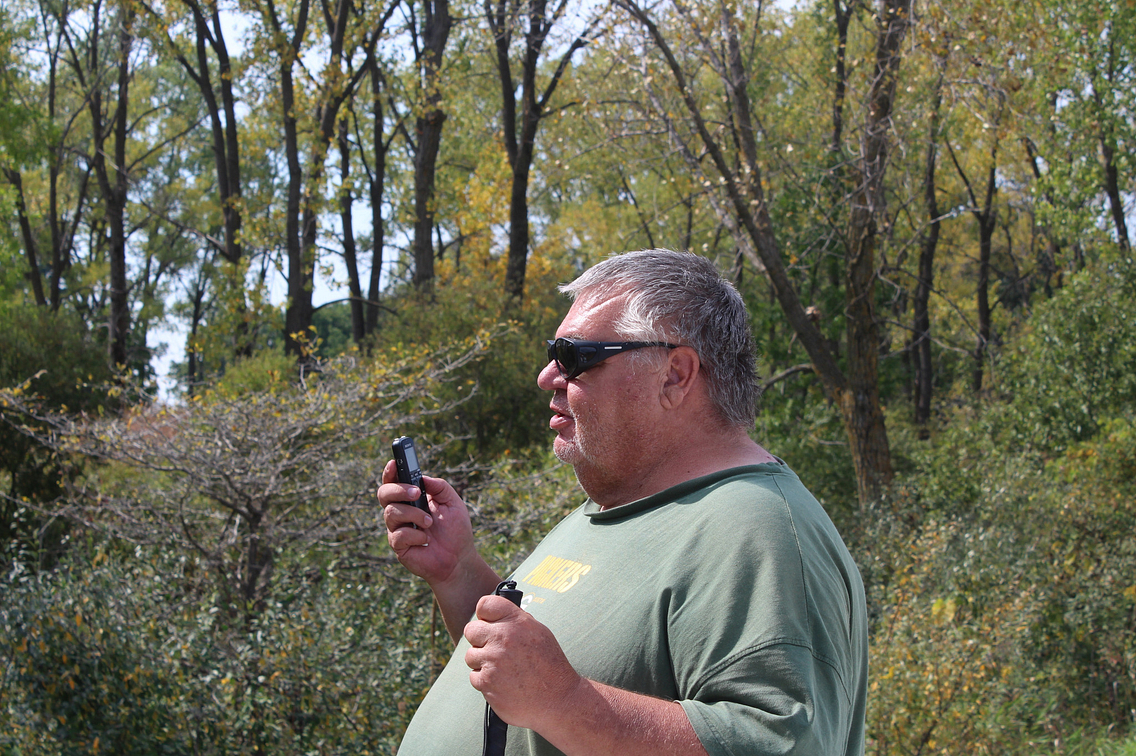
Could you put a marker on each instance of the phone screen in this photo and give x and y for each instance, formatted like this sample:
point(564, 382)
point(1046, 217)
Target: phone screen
point(411, 457)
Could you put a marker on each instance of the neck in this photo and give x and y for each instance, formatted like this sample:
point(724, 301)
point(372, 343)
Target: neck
point(692, 456)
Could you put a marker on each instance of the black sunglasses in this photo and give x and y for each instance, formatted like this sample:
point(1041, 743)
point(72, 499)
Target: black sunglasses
point(573, 356)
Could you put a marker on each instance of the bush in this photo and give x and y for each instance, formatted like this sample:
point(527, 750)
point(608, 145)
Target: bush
point(235, 593)
point(1003, 598)
point(508, 413)
point(54, 363)
point(130, 654)
point(1071, 367)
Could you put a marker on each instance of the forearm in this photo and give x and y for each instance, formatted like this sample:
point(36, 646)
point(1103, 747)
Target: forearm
point(458, 595)
point(603, 719)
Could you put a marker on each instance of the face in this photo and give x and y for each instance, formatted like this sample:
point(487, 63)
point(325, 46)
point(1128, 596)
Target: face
point(603, 418)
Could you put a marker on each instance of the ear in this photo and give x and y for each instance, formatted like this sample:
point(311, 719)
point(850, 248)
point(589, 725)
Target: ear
point(683, 369)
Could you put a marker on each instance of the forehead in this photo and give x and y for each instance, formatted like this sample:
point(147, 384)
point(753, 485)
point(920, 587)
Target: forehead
point(593, 317)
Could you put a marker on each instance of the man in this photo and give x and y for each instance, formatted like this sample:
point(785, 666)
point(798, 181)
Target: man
point(699, 602)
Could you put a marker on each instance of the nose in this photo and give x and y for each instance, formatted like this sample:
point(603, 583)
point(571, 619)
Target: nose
point(550, 378)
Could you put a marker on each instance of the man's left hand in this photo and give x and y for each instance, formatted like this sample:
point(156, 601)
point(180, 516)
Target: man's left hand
point(517, 664)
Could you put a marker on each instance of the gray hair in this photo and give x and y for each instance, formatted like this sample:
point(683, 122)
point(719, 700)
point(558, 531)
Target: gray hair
point(680, 297)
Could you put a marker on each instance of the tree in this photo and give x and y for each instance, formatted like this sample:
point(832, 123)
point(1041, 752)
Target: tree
point(921, 330)
point(257, 465)
point(113, 179)
point(83, 203)
point(745, 213)
point(365, 307)
point(520, 133)
point(49, 360)
point(429, 46)
point(283, 35)
point(1108, 67)
point(54, 135)
point(1084, 137)
point(376, 187)
point(217, 93)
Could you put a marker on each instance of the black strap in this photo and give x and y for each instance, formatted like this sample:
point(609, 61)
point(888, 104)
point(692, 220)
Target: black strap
point(496, 730)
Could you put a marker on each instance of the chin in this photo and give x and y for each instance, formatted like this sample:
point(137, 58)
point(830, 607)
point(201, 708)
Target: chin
point(566, 451)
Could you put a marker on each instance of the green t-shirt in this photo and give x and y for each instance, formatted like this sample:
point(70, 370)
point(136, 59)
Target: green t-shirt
point(731, 593)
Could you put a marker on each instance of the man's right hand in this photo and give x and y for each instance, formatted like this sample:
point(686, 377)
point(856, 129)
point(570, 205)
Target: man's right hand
point(441, 550)
point(443, 537)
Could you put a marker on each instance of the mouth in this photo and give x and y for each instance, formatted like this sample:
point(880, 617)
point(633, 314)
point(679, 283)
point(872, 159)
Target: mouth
point(561, 420)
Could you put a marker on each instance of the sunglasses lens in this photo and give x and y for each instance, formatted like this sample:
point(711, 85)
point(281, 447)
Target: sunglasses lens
point(564, 352)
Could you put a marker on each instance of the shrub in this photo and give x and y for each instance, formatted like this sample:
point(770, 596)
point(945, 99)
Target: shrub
point(127, 653)
point(1005, 624)
point(53, 362)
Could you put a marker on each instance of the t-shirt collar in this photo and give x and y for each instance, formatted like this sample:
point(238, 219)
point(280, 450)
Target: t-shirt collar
point(680, 491)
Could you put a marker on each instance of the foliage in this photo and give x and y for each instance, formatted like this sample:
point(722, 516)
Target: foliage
point(1002, 571)
point(1000, 568)
point(796, 425)
point(506, 413)
point(333, 328)
point(142, 649)
point(231, 319)
point(53, 363)
point(1072, 367)
point(1002, 627)
point(269, 371)
point(125, 651)
point(239, 472)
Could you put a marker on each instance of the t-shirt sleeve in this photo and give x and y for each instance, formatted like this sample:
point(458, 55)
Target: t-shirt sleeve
point(759, 637)
point(765, 702)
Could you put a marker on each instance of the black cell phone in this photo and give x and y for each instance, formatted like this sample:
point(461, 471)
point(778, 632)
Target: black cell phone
point(406, 460)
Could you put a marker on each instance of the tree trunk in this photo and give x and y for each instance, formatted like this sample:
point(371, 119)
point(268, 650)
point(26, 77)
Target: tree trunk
point(861, 405)
point(1047, 258)
point(298, 312)
point(1112, 189)
point(113, 181)
point(428, 132)
point(1107, 140)
point(921, 325)
point(34, 275)
point(987, 218)
point(222, 119)
point(350, 254)
point(192, 360)
point(843, 15)
point(986, 227)
point(520, 142)
point(376, 188)
point(62, 229)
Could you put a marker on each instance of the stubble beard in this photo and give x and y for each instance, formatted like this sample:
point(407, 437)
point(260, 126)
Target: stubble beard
point(586, 462)
point(570, 452)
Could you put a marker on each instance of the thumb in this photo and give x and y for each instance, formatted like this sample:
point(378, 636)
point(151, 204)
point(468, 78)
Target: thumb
point(495, 608)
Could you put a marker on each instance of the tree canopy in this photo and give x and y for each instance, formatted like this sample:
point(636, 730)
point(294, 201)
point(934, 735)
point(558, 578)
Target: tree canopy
point(356, 215)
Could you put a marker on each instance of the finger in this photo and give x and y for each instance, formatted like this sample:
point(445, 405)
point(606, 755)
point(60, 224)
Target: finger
point(495, 608)
point(405, 516)
point(390, 472)
point(474, 658)
point(391, 493)
point(404, 537)
point(439, 491)
point(394, 494)
point(477, 633)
